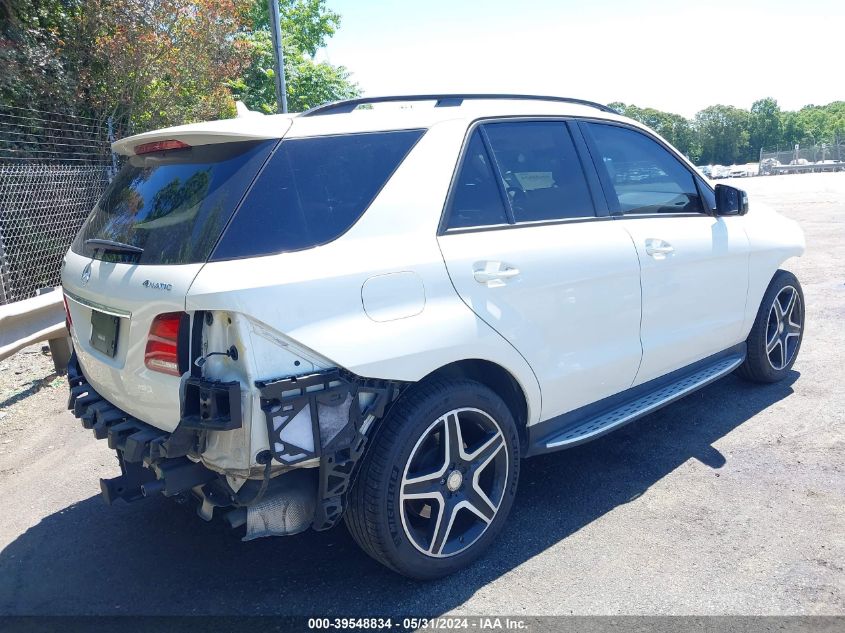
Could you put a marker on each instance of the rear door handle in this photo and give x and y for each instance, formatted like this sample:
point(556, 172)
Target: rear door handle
point(658, 248)
point(493, 274)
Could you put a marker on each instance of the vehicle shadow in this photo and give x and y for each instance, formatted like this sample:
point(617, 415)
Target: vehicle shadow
point(156, 557)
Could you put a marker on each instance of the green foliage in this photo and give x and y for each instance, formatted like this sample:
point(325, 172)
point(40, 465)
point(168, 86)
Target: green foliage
point(39, 68)
point(673, 127)
point(306, 25)
point(154, 63)
point(724, 135)
point(765, 125)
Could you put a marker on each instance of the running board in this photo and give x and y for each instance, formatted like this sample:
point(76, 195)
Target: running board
point(642, 405)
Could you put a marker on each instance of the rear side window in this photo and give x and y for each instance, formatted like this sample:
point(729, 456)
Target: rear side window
point(312, 191)
point(541, 170)
point(476, 200)
point(645, 177)
point(173, 204)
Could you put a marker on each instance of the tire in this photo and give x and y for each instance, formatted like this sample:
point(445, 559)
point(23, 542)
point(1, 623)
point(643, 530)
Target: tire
point(778, 330)
point(394, 505)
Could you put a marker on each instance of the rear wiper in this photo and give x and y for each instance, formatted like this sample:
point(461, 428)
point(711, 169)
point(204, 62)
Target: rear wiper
point(110, 246)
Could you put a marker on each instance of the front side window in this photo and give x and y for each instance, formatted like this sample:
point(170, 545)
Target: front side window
point(645, 177)
point(541, 170)
point(312, 191)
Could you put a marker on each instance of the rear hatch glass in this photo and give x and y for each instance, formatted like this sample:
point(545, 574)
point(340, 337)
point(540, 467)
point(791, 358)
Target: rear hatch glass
point(170, 207)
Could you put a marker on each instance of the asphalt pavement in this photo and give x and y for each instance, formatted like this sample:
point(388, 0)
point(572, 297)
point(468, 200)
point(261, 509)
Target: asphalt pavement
point(731, 501)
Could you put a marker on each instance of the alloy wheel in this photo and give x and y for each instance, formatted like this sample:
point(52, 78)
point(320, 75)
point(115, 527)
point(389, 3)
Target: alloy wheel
point(454, 482)
point(783, 328)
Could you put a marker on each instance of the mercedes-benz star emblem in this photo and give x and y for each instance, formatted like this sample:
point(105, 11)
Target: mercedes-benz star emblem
point(86, 274)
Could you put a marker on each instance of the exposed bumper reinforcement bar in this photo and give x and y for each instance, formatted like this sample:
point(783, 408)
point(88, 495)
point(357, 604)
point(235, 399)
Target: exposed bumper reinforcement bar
point(151, 460)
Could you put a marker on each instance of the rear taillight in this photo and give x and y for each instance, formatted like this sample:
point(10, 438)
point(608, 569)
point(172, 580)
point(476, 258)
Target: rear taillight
point(68, 318)
point(162, 353)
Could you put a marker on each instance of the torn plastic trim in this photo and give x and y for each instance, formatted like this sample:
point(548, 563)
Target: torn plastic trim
point(324, 415)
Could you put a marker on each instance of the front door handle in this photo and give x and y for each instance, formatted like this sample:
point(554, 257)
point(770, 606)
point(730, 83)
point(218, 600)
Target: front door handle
point(657, 248)
point(493, 274)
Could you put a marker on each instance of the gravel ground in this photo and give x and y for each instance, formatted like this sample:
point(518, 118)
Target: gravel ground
point(731, 501)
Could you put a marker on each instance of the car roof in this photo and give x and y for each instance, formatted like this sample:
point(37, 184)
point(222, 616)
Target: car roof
point(425, 114)
point(370, 115)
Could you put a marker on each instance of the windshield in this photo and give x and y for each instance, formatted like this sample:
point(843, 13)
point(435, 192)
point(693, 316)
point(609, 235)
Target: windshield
point(172, 205)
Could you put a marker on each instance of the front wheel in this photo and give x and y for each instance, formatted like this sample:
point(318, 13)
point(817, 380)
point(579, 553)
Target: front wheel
point(439, 480)
point(777, 332)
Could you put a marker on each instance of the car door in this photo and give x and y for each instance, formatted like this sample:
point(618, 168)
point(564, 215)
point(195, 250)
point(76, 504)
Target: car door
point(527, 251)
point(694, 264)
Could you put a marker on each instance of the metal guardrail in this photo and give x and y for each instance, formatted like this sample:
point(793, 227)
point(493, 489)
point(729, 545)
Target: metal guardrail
point(810, 167)
point(40, 318)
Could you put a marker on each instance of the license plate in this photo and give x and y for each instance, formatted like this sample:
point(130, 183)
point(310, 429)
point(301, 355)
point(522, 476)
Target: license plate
point(104, 329)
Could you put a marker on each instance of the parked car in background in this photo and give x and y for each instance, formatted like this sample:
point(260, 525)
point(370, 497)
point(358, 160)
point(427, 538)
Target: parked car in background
point(769, 166)
point(373, 315)
point(719, 171)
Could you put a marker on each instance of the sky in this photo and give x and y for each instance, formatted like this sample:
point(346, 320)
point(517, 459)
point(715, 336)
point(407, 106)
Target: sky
point(677, 56)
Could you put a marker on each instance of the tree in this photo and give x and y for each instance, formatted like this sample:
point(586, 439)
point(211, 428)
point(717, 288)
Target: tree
point(765, 124)
point(723, 133)
point(154, 63)
point(35, 36)
point(673, 127)
point(821, 123)
point(164, 62)
point(306, 25)
point(792, 130)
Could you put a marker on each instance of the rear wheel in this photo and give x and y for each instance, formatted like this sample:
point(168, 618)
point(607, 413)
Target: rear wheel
point(777, 332)
point(439, 480)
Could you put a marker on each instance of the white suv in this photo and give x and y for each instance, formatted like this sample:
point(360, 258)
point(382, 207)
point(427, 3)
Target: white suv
point(375, 312)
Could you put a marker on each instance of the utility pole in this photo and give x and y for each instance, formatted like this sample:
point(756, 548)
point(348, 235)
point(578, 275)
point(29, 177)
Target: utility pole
point(276, 32)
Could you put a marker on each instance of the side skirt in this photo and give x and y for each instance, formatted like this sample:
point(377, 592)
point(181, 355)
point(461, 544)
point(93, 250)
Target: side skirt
point(594, 420)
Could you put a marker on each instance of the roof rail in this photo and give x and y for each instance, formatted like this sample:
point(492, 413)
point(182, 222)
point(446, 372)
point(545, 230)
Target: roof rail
point(442, 101)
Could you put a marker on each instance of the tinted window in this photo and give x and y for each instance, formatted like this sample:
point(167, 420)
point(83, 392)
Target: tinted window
point(541, 170)
point(312, 191)
point(173, 204)
point(645, 176)
point(476, 200)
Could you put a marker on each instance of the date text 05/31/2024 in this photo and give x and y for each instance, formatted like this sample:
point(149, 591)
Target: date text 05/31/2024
point(481, 623)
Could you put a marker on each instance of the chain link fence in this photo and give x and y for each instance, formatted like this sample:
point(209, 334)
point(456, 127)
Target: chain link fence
point(804, 157)
point(53, 169)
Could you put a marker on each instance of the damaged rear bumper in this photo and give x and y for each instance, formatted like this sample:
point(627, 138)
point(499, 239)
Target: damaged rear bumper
point(151, 461)
point(324, 416)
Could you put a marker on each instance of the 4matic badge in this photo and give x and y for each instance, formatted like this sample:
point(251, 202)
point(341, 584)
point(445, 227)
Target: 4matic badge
point(157, 285)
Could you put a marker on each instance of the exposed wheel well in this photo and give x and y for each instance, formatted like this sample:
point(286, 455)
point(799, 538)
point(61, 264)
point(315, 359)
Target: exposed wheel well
point(496, 378)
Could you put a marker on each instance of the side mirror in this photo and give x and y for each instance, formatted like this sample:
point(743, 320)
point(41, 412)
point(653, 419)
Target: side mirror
point(730, 200)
